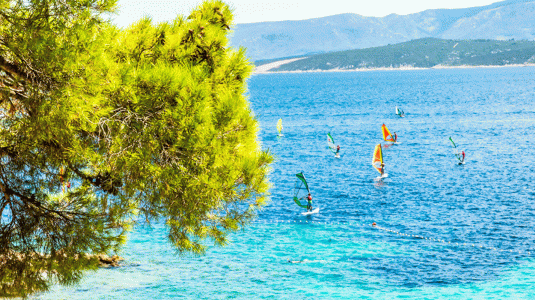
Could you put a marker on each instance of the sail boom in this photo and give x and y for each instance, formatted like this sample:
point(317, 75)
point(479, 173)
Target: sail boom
point(298, 202)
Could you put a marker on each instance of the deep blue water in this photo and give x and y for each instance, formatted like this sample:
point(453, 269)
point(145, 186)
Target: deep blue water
point(477, 219)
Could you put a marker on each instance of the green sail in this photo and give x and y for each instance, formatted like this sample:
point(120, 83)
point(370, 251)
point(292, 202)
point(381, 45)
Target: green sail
point(301, 190)
point(330, 143)
point(455, 151)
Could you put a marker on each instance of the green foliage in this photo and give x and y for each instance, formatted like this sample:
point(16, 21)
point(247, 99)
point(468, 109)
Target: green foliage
point(98, 125)
point(422, 53)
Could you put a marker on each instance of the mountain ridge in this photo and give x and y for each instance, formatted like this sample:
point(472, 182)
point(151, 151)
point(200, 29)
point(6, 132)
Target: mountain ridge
point(501, 21)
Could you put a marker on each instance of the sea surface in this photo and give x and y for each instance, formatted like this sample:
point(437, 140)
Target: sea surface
point(443, 230)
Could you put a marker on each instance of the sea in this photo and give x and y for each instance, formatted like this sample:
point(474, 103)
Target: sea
point(432, 229)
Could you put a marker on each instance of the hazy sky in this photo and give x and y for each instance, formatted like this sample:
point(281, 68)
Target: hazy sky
point(251, 11)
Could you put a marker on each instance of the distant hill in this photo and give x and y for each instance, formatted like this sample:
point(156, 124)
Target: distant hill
point(421, 53)
point(513, 19)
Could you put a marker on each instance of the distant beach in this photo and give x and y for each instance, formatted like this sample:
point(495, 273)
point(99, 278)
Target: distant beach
point(265, 69)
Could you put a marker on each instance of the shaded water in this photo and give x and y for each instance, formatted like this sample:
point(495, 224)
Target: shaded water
point(488, 202)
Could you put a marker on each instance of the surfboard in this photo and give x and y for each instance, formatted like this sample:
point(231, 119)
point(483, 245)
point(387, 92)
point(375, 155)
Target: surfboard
point(314, 211)
point(385, 175)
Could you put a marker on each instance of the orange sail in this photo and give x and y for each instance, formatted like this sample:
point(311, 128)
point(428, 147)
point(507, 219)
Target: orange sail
point(377, 161)
point(387, 136)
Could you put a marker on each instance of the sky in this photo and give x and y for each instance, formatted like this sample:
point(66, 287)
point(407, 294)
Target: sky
point(252, 11)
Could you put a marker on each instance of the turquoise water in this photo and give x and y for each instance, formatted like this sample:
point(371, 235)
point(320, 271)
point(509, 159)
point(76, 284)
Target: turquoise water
point(474, 223)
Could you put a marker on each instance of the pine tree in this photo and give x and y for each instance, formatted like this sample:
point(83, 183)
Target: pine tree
point(100, 126)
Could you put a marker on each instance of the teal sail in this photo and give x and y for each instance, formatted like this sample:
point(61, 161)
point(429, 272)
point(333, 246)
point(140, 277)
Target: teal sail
point(330, 143)
point(301, 190)
point(455, 151)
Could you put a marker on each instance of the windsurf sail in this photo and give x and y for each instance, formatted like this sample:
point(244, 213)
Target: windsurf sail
point(455, 150)
point(399, 112)
point(279, 126)
point(330, 143)
point(377, 160)
point(387, 136)
point(301, 190)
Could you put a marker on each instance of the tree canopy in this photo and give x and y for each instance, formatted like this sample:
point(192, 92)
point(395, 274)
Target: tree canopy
point(101, 125)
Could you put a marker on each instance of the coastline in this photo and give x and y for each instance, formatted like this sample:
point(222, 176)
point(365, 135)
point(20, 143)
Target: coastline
point(265, 68)
point(273, 65)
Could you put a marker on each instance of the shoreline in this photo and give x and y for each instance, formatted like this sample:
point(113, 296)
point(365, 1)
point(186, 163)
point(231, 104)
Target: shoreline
point(265, 68)
point(404, 68)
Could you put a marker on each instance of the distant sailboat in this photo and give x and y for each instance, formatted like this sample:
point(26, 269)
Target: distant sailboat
point(387, 136)
point(377, 160)
point(279, 127)
point(399, 112)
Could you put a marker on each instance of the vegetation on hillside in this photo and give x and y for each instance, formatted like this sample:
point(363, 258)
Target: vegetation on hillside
point(422, 53)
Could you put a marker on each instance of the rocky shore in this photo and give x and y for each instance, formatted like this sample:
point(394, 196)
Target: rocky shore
point(106, 261)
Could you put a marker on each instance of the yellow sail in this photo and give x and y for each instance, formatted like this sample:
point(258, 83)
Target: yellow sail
point(387, 136)
point(377, 161)
point(279, 126)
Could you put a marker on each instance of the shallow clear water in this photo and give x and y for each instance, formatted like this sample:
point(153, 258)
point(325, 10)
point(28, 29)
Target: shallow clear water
point(477, 220)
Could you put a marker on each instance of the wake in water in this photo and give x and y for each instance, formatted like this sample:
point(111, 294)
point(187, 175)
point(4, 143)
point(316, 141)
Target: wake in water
point(306, 261)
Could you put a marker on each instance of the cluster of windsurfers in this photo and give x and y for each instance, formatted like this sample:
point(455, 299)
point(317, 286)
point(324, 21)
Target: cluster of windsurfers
point(377, 160)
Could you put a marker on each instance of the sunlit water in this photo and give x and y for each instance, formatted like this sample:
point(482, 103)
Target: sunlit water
point(482, 212)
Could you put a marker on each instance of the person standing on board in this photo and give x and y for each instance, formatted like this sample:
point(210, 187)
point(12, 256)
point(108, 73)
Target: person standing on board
point(309, 202)
point(395, 137)
point(338, 150)
point(462, 153)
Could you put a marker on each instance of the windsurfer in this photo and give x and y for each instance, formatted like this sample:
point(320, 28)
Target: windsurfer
point(309, 202)
point(399, 112)
point(382, 168)
point(462, 153)
point(338, 150)
point(395, 137)
point(280, 127)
